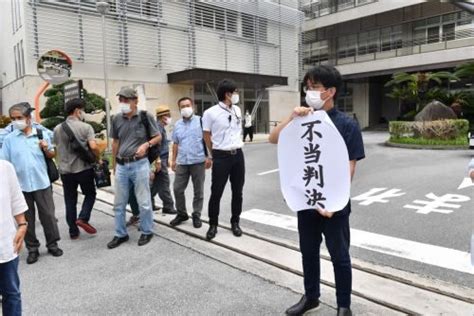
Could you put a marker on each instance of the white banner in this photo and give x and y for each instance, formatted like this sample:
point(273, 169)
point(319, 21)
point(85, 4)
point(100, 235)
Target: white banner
point(314, 164)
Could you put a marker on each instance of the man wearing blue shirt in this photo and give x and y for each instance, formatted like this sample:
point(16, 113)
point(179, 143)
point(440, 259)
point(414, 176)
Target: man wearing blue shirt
point(27, 152)
point(322, 84)
point(188, 160)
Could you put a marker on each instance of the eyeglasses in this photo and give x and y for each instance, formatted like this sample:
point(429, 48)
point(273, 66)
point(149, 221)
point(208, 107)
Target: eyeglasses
point(313, 88)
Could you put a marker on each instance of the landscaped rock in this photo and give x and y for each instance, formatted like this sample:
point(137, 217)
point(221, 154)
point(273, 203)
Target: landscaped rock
point(435, 110)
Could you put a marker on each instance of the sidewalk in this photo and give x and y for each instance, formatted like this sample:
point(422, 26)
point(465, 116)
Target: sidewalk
point(161, 278)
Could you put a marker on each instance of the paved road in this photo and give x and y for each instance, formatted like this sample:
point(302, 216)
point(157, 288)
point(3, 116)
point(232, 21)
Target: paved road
point(415, 173)
point(161, 278)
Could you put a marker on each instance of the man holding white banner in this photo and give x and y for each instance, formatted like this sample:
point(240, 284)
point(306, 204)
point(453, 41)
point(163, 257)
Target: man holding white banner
point(318, 147)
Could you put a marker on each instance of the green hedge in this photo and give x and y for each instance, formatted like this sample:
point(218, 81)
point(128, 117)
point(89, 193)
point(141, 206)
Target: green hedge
point(442, 132)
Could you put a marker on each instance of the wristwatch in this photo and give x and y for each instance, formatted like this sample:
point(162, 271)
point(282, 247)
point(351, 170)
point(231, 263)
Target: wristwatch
point(23, 224)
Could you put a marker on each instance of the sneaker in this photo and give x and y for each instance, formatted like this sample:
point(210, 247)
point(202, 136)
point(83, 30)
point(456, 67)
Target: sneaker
point(156, 208)
point(303, 306)
point(179, 219)
point(74, 237)
point(88, 228)
point(134, 219)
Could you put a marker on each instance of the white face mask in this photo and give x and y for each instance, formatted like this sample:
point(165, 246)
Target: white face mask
point(235, 99)
point(167, 120)
point(313, 99)
point(186, 112)
point(125, 108)
point(20, 124)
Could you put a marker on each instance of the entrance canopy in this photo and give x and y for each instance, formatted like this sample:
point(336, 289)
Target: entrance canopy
point(249, 80)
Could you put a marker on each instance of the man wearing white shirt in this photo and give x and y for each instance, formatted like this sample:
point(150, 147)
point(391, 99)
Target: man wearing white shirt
point(222, 126)
point(11, 238)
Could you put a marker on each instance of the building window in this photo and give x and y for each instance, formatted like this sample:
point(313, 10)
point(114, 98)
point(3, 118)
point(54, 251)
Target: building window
point(254, 26)
point(346, 46)
point(144, 9)
point(22, 59)
point(215, 18)
point(391, 38)
point(16, 15)
point(248, 26)
point(368, 42)
point(15, 48)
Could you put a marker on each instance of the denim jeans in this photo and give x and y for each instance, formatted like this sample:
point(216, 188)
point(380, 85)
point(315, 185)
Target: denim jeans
point(84, 179)
point(10, 288)
point(134, 174)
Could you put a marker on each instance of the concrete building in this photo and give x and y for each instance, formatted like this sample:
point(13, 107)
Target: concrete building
point(369, 40)
point(167, 49)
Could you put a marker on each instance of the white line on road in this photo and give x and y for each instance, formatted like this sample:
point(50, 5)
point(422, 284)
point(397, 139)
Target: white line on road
point(434, 255)
point(267, 172)
point(467, 182)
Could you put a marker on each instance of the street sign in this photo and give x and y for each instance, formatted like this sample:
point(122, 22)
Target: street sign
point(73, 90)
point(54, 67)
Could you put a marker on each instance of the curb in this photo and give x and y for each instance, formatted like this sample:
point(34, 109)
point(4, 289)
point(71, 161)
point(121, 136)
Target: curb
point(427, 147)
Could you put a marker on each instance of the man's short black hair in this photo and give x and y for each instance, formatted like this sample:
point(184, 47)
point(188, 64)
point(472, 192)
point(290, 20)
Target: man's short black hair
point(184, 99)
point(326, 75)
point(224, 87)
point(73, 104)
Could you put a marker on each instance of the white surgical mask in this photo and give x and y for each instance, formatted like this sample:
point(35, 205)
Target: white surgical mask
point(235, 99)
point(20, 124)
point(168, 120)
point(125, 108)
point(186, 112)
point(313, 99)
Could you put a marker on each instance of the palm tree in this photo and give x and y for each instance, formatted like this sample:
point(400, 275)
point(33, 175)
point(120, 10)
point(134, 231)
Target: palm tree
point(418, 85)
point(465, 70)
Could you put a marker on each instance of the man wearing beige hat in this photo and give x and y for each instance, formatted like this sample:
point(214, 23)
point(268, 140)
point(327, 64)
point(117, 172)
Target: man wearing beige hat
point(161, 181)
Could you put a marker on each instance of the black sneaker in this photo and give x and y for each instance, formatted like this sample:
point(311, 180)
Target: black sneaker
point(55, 252)
point(117, 241)
point(179, 219)
point(303, 306)
point(197, 223)
point(344, 311)
point(32, 257)
point(144, 239)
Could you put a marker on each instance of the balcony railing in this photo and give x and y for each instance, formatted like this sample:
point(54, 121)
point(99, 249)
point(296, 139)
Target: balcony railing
point(377, 51)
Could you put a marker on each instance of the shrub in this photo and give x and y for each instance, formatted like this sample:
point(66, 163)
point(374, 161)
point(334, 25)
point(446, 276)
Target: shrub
point(442, 130)
point(4, 121)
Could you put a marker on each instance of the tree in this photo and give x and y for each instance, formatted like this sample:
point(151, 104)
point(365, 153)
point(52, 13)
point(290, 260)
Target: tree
point(465, 70)
point(420, 87)
point(53, 112)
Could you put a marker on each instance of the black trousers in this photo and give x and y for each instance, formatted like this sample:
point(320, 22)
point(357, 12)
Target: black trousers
point(226, 166)
point(71, 181)
point(311, 226)
point(248, 131)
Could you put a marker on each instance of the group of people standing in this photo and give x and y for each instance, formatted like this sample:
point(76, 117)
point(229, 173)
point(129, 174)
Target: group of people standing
point(199, 143)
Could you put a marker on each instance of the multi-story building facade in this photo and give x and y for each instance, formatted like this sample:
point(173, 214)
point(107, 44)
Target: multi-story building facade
point(369, 40)
point(168, 49)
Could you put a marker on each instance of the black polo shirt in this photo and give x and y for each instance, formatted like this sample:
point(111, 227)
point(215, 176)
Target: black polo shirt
point(350, 132)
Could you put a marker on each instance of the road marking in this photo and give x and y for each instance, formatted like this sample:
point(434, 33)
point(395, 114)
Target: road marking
point(467, 182)
point(428, 207)
point(377, 195)
point(434, 255)
point(267, 172)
